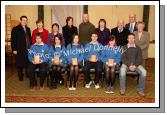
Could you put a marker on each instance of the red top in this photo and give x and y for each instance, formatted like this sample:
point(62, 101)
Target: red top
point(44, 35)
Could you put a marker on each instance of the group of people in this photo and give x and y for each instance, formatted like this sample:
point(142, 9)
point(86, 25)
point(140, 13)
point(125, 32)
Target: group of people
point(87, 48)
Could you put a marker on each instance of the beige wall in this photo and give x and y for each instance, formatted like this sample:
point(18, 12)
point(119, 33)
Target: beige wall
point(31, 12)
point(18, 10)
point(113, 12)
point(110, 13)
point(47, 17)
point(151, 24)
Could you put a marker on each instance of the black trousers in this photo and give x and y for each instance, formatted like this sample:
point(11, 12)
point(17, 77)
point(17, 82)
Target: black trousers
point(56, 73)
point(20, 72)
point(42, 73)
point(98, 70)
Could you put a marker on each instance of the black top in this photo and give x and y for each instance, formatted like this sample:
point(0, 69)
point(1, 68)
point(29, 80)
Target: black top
point(121, 38)
point(68, 33)
point(127, 26)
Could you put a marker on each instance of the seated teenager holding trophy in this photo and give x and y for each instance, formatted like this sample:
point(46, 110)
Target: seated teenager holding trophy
point(57, 61)
point(74, 59)
point(39, 57)
point(111, 58)
point(92, 57)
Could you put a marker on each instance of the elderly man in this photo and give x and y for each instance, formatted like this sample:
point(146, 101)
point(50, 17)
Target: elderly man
point(131, 26)
point(85, 29)
point(120, 33)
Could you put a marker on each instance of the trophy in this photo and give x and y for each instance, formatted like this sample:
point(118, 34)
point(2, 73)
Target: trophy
point(74, 61)
point(93, 58)
point(57, 60)
point(110, 62)
point(37, 59)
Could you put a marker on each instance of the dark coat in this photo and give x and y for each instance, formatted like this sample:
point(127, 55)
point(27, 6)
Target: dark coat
point(68, 33)
point(121, 38)
point(18, 43)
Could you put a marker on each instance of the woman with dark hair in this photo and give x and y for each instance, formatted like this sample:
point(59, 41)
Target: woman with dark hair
point(57, 61)
point(40, 29)
point(55, 31)
point(74, 59)
point(69, 30)
point(103, 32)
point(111, 55)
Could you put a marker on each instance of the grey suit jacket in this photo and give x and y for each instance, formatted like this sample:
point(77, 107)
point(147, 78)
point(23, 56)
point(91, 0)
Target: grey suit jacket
point(143, 43)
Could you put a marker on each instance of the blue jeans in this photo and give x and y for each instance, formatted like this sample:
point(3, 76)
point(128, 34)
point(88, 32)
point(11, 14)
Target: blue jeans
point(142, 76)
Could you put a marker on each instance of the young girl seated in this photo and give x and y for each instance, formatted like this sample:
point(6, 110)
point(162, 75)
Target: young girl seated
point(74, 59)
point(111, 55)
point(57, 61)
point(39, 57)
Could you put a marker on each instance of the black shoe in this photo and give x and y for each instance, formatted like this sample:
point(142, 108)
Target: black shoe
point(20, 78)
point(53, 85)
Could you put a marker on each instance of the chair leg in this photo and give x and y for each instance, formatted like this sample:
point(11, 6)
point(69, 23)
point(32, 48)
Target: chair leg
point(66, 78)
point(137, 79)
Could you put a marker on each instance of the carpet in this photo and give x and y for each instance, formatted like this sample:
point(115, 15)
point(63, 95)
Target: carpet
point(18, 91)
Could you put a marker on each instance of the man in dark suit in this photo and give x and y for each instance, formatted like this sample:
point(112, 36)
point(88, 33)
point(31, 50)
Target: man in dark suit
point(120, 33)
point(20, 43)
point(131, 26)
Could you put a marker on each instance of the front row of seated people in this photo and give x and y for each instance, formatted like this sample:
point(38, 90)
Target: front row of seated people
point(92, 55)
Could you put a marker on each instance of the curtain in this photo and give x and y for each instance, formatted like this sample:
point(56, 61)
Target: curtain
point(61, 12)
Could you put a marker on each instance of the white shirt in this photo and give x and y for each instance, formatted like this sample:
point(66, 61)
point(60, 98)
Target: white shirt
point(39, 44)
point(57, 46)
point(120, 30)
point(129, 45)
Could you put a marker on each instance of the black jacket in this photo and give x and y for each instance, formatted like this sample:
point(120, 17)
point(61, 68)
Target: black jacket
point(127, 26)
point(18, 43)
point(68, 33)
point(121, 38)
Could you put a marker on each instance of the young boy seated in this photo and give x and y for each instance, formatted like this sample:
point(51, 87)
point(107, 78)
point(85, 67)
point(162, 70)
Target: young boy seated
point(92, 57)
point(38, 56)
point(132, 61)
